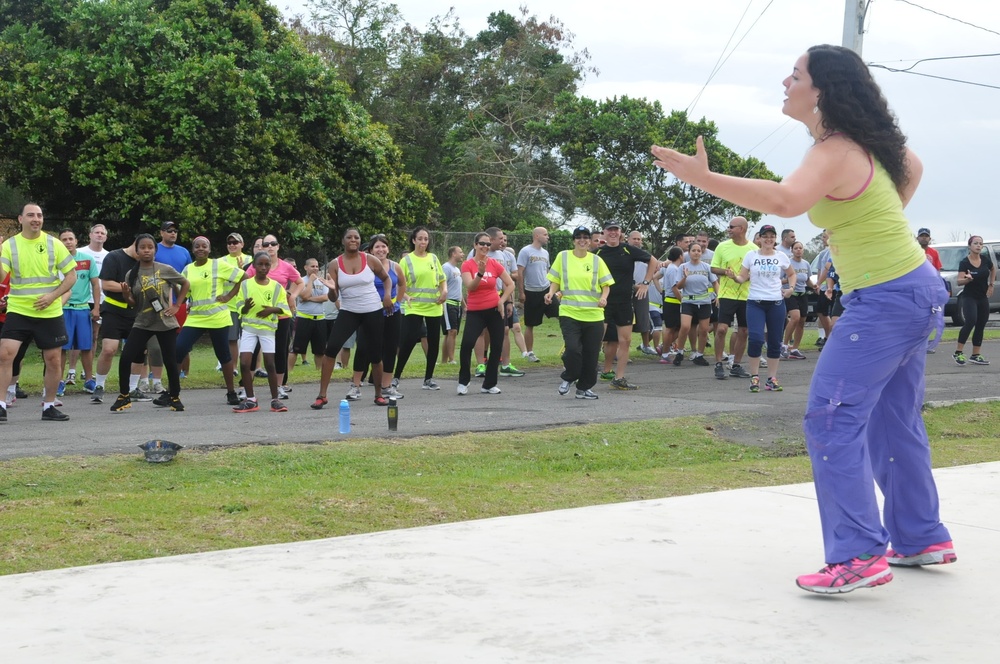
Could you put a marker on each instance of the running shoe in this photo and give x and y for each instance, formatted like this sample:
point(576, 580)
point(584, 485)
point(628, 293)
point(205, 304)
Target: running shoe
point(11, 397)
point(462, 389)
point(646, 350)
point(763, 363)
point(71, 378)
point(247, 406)
point(162, 400)
point(338, 366)
point(729, 360)
point(941, 553)
point(354, 393)
point(820, 342)
point(381, 401)
point(678, 358)
point(755, 383)
point(959, 357)
point(98, 395)
point(282, 392)
point(847, 576)
point(143, 385)
point(287, 389)
point(89, 385)
point(720, 371)
point(61, 389)
point(123, 402)
point(796, 354)
point(490, 390)
point(232, 399)
point(738, 371)
point(391, 393)
point(138, 395)
point(305, 362)
point(182, 374)
point(510, 370)
point(18, 392)
point(784, 352)
point(260, 373)
point(607, 375)
point(429, 384)
point(564, 387)
point(530, 356)
point(176, 405)
point(218, 366)
point(480, 370)
point(50, 414)
point(586, 394)
point(976, 358)
point(319, 403)
point(278, 407)
point(3, 414)
point(395, 383)
point(699, 360)
point(772, 385)
point(623, 384)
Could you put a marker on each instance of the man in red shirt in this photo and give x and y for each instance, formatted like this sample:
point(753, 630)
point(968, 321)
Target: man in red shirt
point(924, 238)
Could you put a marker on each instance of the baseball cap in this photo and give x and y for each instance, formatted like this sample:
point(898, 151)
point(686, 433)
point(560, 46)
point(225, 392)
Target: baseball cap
point(612, 224)
point(767, 228)
point(169, 225)
point(238, 237)
point(924, 231)
point(580, 231)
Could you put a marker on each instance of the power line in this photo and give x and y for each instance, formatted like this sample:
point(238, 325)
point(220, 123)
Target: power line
point(950, 18)
point(942, 78)
point(945, 57)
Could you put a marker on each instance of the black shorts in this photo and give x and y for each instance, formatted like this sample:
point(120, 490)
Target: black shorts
point(642, 320)
point(47, 333)
point(823, 305)
point(535, 308)
point(115, 324)
point(697, 312)
point(729, 308)
point(836, 308)
point(672, 315)
point(619, 314)
point(310, 332)
point(798, 302)
point(452, 319)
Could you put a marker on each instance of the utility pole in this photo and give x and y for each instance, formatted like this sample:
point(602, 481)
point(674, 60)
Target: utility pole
point(854, 23)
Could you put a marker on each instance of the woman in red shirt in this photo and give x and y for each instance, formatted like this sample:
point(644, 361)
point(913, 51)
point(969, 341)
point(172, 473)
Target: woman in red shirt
point(484, 312)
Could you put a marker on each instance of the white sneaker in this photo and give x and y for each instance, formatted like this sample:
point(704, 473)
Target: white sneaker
point(492, 390)
point(282, 392)
point(463, 389)
point(354, 393)
point(338, 366)
point(530, 356)
point(143, 385)
point(763, 363)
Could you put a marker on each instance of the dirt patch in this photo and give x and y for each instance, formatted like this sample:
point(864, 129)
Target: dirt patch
point(780, 434)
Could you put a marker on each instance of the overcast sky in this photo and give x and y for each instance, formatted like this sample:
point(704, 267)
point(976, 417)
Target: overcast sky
point(666, 50)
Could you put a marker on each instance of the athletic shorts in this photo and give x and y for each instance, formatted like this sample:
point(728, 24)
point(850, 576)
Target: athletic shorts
point(115, 325)
point(657, 319)
point(836, 308)
point(535, 308)
point(619, 314)
point(235, 325)
point(79, 334)
point(697, 312)
point(509, 320)
point(47, 333)
point(823, 305)
point(729, 308)
point(452, 319)
point(641, 310)
point(250, 338)
point(310, 332)
point(798, 302)
point(672, 315)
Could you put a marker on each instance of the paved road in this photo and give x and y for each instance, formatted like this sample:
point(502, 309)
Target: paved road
point(527, 403)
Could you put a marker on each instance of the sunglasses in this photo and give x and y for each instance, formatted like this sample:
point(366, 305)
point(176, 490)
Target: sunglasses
point(269, 244)
point(169, 230)
point(484, 244)
point(233, 242)
point(732, 227)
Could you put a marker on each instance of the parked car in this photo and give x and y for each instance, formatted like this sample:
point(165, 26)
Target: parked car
point(951, 254)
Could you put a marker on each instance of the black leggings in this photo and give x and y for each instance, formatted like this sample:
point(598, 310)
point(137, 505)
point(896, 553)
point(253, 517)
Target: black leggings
point(976, 311)
point(390, 344)
point(135, 346)
point(475, 323)
point(410, 337)
point(369, 327)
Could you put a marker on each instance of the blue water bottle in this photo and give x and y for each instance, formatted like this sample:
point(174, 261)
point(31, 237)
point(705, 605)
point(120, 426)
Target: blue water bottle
point(345, 416)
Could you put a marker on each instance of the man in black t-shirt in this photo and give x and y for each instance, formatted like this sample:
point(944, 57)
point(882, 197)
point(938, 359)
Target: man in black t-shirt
point(620, 312)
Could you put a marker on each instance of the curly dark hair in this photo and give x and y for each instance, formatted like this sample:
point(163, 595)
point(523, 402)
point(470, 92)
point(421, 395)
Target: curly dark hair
point(853, 104)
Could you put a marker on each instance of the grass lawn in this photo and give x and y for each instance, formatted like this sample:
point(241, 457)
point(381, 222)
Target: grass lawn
point(60, 512)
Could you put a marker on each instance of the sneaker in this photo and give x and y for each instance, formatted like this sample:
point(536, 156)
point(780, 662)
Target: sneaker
point(176, 405)
point(395, 383)
point(19, 393)
point(530, 356)
point(763, 363)
point(480, 370)
point(138, 395)
point(143, 385)
point(959, 357)
point(564, 387)
point(720, 371)
point(678, 358)
point(796, 354)
point(260, 373)
point(319, 403)
point(700, 361)
point(646, 350)
point(510, 370)
point(218, 366)
point(182, 374)
point(820, 342)
point(71, 378)
point(98, 395)
point(278, 407)
point(241, 393)
point(942, 553)
point(623, 384)
point(784, 352)
point(354, 393)
point(772, 385)
point(287, 388)
point(3, 414)
point(429, 384)
point(586, 394)
point(391, 393)
point(282, 393)
point(978, 359)
point(61, 389)
point(755, 383)
point(737, 371)
point(462, 389)
point(847, 576)
point(247, 406)
point(157, 387)
point(729, 360)
point(305, 362)
point(123, 402)
point(50, 414)
point(162, 400)
point(491, 390)
point(607, 375)
point(338, 366)
point(232, 399)
point(11, 397)
point(381, 401)
point(89, 385)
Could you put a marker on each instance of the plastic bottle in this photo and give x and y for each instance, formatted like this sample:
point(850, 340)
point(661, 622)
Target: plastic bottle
point(345, 416)
point(392, 413)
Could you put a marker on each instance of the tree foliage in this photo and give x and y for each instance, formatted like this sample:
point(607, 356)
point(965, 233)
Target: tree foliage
point(606, 145)
point(209, 112)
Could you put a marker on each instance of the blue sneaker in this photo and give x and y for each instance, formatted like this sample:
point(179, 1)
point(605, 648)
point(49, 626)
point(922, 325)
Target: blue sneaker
point(61, 390)
point(182, 375)
point(89, 385)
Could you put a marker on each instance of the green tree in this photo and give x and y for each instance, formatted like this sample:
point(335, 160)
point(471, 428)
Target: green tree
point(606, 145)
point(209, 112)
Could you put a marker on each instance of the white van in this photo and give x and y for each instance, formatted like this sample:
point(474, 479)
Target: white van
point(951, 254)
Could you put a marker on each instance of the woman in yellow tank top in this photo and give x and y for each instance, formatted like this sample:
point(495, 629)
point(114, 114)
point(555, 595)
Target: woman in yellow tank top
point(863, 418)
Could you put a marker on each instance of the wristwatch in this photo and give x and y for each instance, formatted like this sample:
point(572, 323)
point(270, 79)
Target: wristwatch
point(645, 282)
point(480, 274)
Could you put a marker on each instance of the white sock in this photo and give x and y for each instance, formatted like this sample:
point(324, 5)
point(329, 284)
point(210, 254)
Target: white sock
point(133, 382)
point(48, 404)
point(100, 379)
point(822, 333)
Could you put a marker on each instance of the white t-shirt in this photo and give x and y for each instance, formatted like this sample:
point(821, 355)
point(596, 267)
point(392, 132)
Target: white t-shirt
point(765, 274)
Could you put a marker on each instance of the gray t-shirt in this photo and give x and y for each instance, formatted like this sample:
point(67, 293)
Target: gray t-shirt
point(699, 280)
point(453, 278)
point(802, 273)
point(152, 296)
point(534, 264)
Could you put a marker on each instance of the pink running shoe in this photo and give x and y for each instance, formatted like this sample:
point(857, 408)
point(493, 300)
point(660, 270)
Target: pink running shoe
point(941, 553)
point(847, 576)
